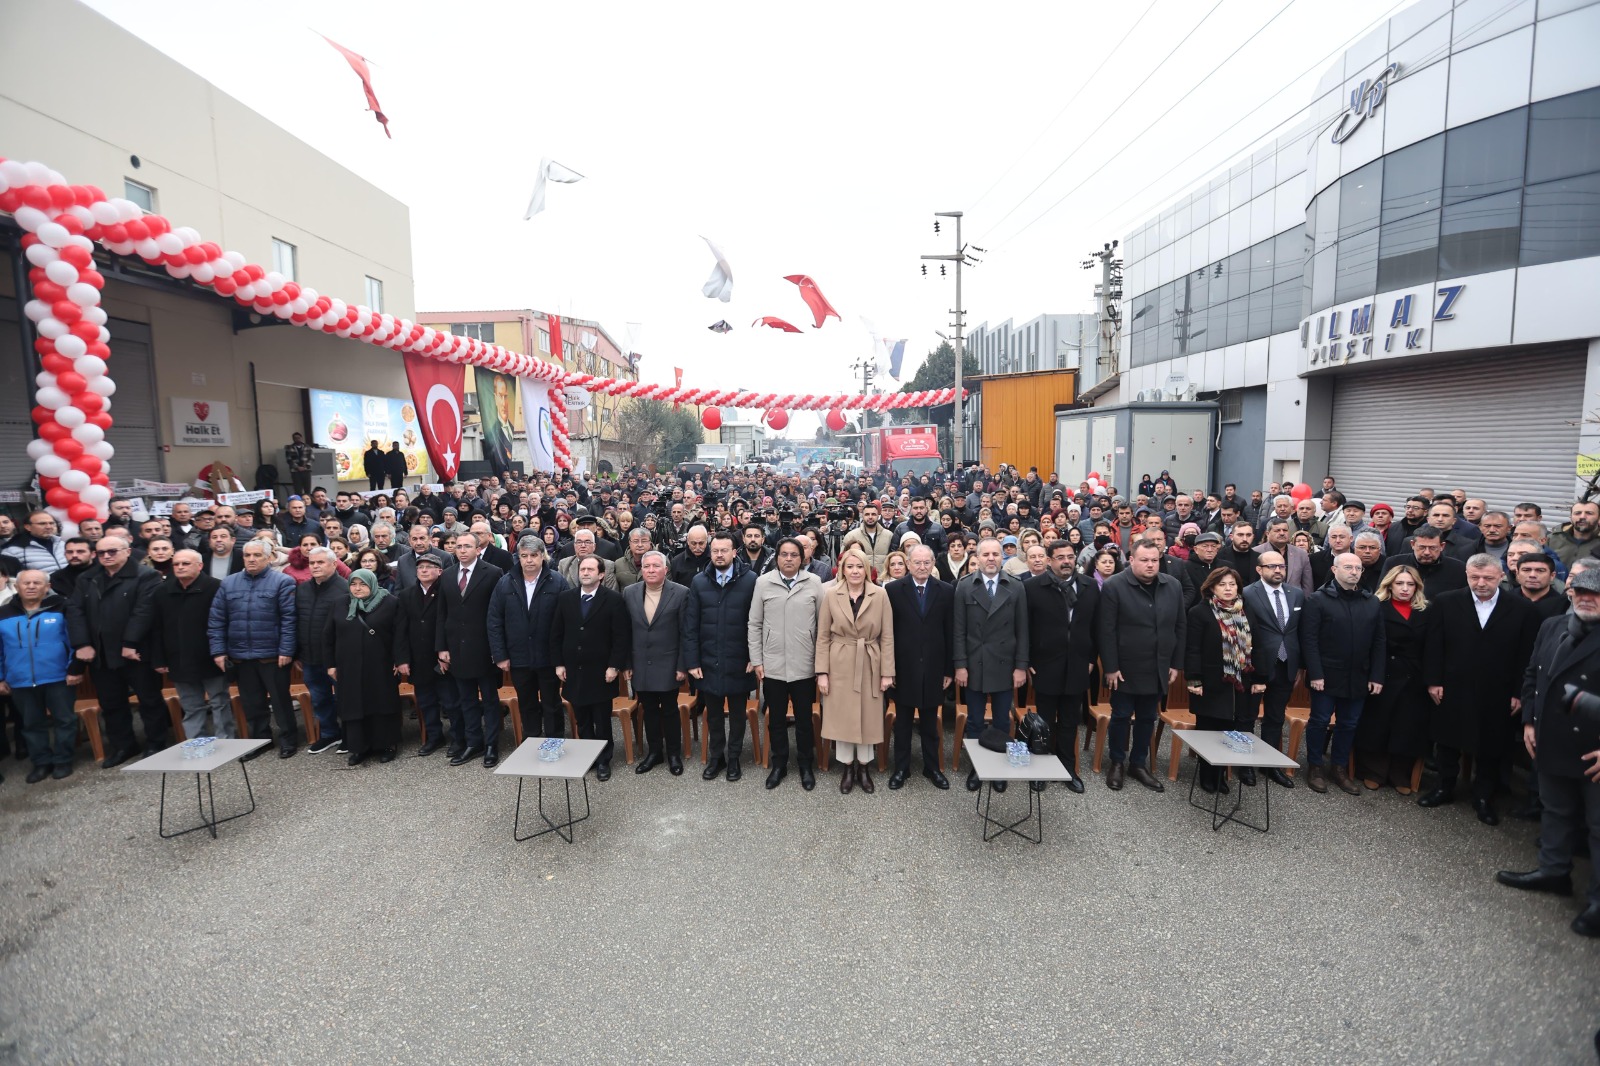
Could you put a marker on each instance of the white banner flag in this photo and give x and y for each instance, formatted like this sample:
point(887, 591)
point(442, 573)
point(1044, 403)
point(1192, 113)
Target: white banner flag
point(536, 416)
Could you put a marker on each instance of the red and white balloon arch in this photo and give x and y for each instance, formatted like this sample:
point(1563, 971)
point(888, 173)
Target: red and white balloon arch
point(61, 225)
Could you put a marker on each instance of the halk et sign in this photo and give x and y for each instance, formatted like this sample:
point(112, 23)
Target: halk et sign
point(200, 422)
point(1400, 325)
point(1364, 100)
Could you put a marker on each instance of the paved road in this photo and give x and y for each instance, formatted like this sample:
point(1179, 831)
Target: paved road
point(383, 913)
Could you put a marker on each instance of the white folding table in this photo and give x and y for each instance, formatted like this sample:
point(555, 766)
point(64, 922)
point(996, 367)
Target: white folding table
point(171, 761)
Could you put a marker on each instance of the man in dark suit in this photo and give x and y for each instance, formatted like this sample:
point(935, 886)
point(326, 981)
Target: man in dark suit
point(924, 656)
point(420, 537)
point(314, 600)
point(589, 644)
point(1479, 642)
point(1342, 638)
point(522, 615)
point(1440, 573)
point(1062, 614)
point(716, 650)
point(655, 661)
point(419, 617)
point(1142, 623)
point(1564, 745)
point(462, 643)
point(490, 552)
point(1273, 608)
point(990, 645)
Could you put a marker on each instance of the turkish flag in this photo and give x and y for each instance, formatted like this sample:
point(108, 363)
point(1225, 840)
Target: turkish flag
point(436, 391)
point(358, 64)
point(677, 373)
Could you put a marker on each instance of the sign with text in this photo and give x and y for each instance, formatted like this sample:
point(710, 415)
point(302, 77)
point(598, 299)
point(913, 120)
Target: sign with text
point(200, 423)
point(347, 423)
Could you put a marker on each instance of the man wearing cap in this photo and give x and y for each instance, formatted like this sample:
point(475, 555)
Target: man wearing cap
point(419, 622)
point(584, 543)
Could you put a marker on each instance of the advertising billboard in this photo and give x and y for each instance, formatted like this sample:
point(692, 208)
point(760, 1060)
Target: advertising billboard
point(346, 422)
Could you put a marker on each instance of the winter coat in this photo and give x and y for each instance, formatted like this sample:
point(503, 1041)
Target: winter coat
point(182, 615)
point(364, 650)
point(34, 649)
point(1142, 630)
point(783, 625)
point(991, 635)
point(110, 612)
point(1342, 639)
point(47, 554)
point(856, 650)
point(716, 631)
point(313, 602)
point(588, 647)
point(1061, 651)
point(520, 633)
point(1401, 713)
point(1202, 665)
point(1562, 655)
point(924, 649)
point(656, 646)
point(1480, 667)
point(252, 616)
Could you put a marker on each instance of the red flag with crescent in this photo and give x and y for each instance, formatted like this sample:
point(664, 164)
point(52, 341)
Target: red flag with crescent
point(358, 63)
point(436, 393)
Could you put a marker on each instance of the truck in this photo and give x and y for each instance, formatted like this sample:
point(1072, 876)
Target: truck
point(717, 455)
point(901, 450)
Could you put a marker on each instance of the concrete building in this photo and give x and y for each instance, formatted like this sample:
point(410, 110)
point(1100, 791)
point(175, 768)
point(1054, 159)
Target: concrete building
point(1398, 292)
point(169, 140)
point(1043, 343)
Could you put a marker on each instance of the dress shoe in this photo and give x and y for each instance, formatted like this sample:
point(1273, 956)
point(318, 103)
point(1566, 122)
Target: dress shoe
point(1317, 778)
point(62, 771)
point(1247, 776)
point(453, 753)
point(675, 765)
point(356, 758)
point(154, 749)
point(386, 755)
point(1588, 923)
point(1486, 813)
point(864, 778)
point(1279, 778)
point(897, 780)
point(1437, 798)
point(433, 745)
point(1147, 779)
point(1075, 784)
point(1222, 782)
point(37, 774)
point(973, 784)
point(117, 758)
point(847, 778)
point(939, 780)
point(1116, 775)
point(288, 752)
point(1537, 881)
point(1341, 777)
point(1208, 785)
point(713, 768)
point(255, 754)
point(491, 756)
point(735, 771)
point(1531, 813)
point(602, 771)
point(466, 756)
point(1000, 786)
point(808, 777)
point(649, 762)
point(1038, 786)
point(776, 776)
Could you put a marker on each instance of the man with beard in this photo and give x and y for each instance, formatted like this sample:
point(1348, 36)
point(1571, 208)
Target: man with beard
point(80, 558)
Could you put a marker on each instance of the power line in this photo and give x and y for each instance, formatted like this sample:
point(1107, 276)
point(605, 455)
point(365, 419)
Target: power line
point(1108, 118)
point(1158, 118)
point(1076, 93)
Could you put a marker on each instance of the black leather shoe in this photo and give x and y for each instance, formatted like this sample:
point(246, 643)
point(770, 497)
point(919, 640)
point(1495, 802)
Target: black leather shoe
point(430, 747)
point(1535, 881)
point(808, 777)
point(287, 753)
point(1116, 775)
point(897, 780)
point(1147, 779)
point(713, 768)
point(155, 749)
point(1437, 798)
point(1279, 778)
point(649, 762)
point(62, 771)
point(386, 755)
point(1208, 785)
point(1000, 786)
point(1486, 813)
point(735, 771)
point(37, 774)
point(675, 765)
point(602, 771)
point(776, 776)
point(939, 780)
point(973, 784)
point(1588, 923)
point(453, 753)
point(466, 756)
point(357, 758)
point(255, 754)
point(1038, 786)
point(1075, 784)
point(1247, 777)
point(117, 758)
point(491, 756)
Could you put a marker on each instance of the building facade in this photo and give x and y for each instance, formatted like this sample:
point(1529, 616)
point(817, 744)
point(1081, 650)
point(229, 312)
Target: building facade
point(1398, 291)
point(1041, 344)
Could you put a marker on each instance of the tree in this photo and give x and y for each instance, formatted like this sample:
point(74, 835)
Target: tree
point(681, 435)
point(652, 431)
point(938, 371)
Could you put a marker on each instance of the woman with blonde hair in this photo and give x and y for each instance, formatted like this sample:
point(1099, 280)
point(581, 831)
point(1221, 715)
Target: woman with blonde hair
point(1394, 729)
point(894, 568)
point(855, 667)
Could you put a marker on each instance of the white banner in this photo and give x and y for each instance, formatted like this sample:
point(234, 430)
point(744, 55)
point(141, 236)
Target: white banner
point(244, 499)
point(195, 503)
point(202, 423)
point(159, 488)
point(536, 416)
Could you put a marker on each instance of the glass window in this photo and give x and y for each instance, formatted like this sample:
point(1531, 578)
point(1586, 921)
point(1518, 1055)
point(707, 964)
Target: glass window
point(1164, 307)
point(1326, 217)
point(1288, 256)
point(1198, 333)
point(1166, 341)
point(1239, 188)
point(1360, 199)
point(375, 295)
point(1286, 306)
point(1201, 211)
point(1167, 228)
point(1408, 251)
point(283, 258)
point(1260, 315)
point(1219, 201)
point(143, 195)
point(1485, 157)
point(1322, 265)
point(480, 331)
point(1261, 266)
point(1199, 282)
point(1238, 319)
point(1561, 220)
point(1141, 347)
point(544, 341)
point(1144, 309)
point(1480, 235)
point(1357, 273)
point(1564, 137)
point(1412, 179)
point(1237, 270)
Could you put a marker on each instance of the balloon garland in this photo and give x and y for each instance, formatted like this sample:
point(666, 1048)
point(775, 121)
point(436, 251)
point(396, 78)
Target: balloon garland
point(61, 224)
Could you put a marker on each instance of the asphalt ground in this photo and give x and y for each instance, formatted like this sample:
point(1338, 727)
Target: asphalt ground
point(382, 913)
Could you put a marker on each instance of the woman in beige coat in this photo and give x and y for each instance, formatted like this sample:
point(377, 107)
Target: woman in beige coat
point(855, 667)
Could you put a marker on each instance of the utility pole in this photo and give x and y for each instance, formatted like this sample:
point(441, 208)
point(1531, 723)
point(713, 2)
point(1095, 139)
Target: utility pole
point(1109, 295)
point(960, 258)
point(868, 369)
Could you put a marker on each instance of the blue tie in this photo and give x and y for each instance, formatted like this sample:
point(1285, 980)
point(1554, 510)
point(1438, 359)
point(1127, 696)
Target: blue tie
point(922, 599)
point(584, 608)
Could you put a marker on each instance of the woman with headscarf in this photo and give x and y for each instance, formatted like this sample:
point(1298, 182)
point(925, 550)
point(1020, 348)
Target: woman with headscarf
point(367, 648)
point(1216, 664)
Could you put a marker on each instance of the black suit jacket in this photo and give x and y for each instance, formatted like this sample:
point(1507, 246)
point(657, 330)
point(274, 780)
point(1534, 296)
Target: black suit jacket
point(924, 643)
point(1560, 659)
point(1480, 667)
point(587, 647)
point(1266, 635)
point(419, 626)
point(1437, 578)
point(503, 560)
point(463, 628)
point(1061, 652)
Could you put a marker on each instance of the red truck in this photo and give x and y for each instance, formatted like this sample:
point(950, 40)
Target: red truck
point(902, 450)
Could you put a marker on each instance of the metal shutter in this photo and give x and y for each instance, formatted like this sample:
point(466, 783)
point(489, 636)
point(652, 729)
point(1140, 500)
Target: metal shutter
point(1501, 428)
point(135, 424)
point(16, 401)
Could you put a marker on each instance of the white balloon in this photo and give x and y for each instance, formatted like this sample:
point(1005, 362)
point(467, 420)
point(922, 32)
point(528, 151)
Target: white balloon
point(298, 306)
point(203, 274)
point(245, 294)
point(274, 280)
point(88, 433)
point(102, 450)
point(62, 272)
point(169, 243)
point(102, 386)
point(52, 398)
point(78, 240)
point(182, 270)
point(60, 515)
point(97, 315)
point(83, 294)
point(70, 417)
point(36, 310)
point(82, 214)
point(127, 210)
point(74, 480)
point(40, 448)
point(44, 379)
point(98, 495)
point(51, 465)
point(51, 328)
point(104, 336)
point(39, 174)
point(71, 345)
point(104, 212)
point(13, 175)
point(147, 248)
point(281, 310)
point(187, 234)
point(30, 218)
point(235, 260)
point(42, 255)
point(53, 233)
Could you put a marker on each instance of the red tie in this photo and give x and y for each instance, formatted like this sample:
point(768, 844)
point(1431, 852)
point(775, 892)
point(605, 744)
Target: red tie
point(465, 574)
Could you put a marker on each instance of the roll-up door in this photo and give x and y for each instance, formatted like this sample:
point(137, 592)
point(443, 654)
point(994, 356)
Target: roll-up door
point(135, 423)
point(1503, 428)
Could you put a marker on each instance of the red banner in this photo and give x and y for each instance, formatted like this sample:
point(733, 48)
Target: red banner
point(436, 391)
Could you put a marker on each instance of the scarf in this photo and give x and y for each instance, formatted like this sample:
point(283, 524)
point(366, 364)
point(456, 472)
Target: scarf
point(1235, 640)
point(379, 593)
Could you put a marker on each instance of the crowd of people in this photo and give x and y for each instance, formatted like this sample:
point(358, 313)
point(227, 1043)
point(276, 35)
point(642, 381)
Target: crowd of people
point(1440, 633)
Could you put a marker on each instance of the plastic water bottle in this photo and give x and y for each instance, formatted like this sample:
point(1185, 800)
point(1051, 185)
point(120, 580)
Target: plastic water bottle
point(550, 749)
point(1238, 742)
point(197, 747)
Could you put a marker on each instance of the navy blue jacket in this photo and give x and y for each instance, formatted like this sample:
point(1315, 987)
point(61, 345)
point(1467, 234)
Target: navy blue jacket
point(252, 617)
point(716, 633)
point(34, 649)
point(520, 632)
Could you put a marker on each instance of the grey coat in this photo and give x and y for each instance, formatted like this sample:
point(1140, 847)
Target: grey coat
point(1142, 629)
point(783, 626)
point(656, 653)
point(991, 638)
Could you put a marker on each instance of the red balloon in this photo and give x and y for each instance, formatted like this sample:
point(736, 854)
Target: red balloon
point(1300, 492)
point(836, 420)
point(81, 512)
point(36, 196)
point(712, 418)
point(60, 196)
point(101, 478)
point(85, 330)
point(99, 418)
point(116, 233)
point(777, 418)
point(69, 448)
point(225, 286)
point(59, 497)
point(70, 223)
point(56, 363)
point(66, 311)
point(50, 429)
point(69, 380)
point(87, 463)
point(137, 229)
point(88, 402)
point(99, 349)
point(49, 291)
point(78, 256)
point(1094, 474)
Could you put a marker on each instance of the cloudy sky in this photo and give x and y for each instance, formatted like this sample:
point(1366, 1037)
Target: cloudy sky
point(804, 139)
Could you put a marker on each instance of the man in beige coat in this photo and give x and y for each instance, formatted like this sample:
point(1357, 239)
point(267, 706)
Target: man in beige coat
point(783, 649)
point(583, 544)
point(855, 667)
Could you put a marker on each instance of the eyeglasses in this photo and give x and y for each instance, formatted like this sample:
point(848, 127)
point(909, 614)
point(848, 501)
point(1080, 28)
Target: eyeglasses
point(110, 551)
point(1273, 566)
